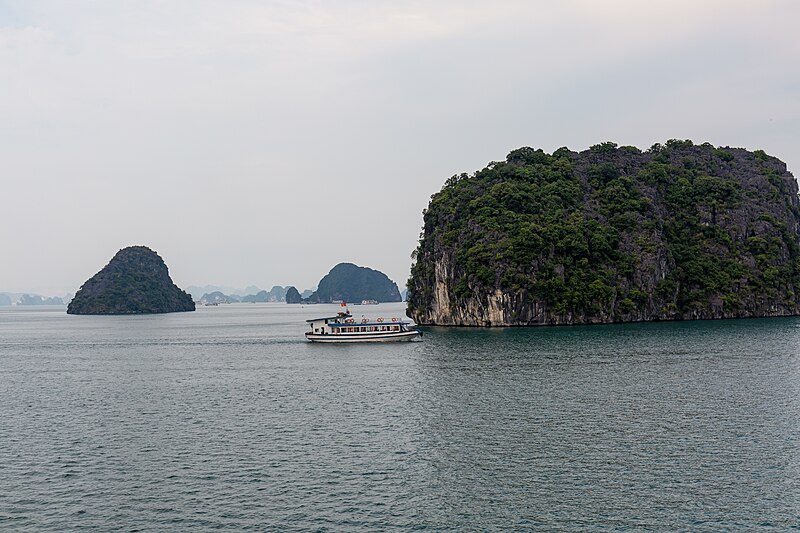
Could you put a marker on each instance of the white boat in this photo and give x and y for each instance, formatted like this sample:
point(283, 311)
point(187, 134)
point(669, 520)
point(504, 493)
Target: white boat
point(344, 328)
point(369, 302)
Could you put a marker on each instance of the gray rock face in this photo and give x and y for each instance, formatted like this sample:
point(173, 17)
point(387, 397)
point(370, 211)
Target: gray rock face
point(135, 281)
point(678, 232)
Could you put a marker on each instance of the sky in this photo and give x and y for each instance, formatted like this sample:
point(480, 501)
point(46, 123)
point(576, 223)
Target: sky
point(261, 143)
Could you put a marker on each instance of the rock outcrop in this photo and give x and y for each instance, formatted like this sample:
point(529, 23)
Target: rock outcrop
point(135, 281)
point(217, 297)
point(293, 296)
point(35, 299)
point(351, 283)
point(611, 234)
point(259, 297)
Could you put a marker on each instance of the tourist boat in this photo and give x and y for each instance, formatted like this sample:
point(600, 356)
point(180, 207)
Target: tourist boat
point(344, 328)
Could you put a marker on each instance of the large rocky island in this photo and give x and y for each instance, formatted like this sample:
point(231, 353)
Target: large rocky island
point(611, 234)
point(135, 281)
point(351, 283)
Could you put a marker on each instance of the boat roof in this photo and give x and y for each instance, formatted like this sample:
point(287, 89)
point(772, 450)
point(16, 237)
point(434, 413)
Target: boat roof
point(384, 323)
point(329, 317)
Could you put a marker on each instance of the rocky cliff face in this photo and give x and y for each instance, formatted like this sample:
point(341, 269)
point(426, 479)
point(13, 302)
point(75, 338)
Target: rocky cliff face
point(611, 234)
point(135, 281)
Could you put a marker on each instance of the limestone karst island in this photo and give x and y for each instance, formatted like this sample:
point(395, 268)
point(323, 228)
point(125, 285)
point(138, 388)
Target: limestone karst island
point(352, 283)
point(611, 234)
point(135, 281)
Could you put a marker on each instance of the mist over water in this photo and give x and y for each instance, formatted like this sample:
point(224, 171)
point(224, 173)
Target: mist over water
point(227, 419)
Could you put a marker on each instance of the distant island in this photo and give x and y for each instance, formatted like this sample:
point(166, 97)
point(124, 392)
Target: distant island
point(293, 296)
point(26, 299)
point(351, 283)
point(198, 292)
point(251, 294)
point(611, 234)
point(135, 281)
point(35, 299)
point(276, 294)
point(248, 294)
point(217, 297)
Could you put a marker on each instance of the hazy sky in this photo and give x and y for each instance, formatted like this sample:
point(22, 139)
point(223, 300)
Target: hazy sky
point(264, 142)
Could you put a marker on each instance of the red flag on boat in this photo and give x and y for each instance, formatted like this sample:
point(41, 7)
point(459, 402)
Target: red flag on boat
point(344, 304)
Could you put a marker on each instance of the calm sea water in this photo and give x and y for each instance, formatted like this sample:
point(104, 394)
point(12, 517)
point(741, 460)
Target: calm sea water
point(226, 419)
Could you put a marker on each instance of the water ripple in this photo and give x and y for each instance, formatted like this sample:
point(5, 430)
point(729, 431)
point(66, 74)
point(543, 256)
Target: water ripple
point(227, 420)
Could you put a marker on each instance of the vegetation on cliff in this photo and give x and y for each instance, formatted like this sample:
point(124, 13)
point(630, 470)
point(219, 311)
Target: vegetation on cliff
point(135, 281)
point(611, 234)
point(351, 283)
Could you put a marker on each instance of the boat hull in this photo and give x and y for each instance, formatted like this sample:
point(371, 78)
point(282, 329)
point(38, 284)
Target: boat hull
point(365, 337)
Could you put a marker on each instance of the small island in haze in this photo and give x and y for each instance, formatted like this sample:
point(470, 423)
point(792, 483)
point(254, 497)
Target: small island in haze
point(347, 282)
point(293, 296)
point(216, 295)
point(611, 234)
point(26, 299)
point(135, 281)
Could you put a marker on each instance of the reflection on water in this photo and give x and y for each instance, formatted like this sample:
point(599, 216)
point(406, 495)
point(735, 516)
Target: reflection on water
point(227, 419)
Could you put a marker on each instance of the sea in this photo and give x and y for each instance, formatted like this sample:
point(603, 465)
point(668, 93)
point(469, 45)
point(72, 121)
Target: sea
point(226, 419)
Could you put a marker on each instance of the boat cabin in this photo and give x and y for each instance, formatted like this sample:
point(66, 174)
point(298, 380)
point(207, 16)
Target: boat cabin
point(324, 325)
point(345, 324)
